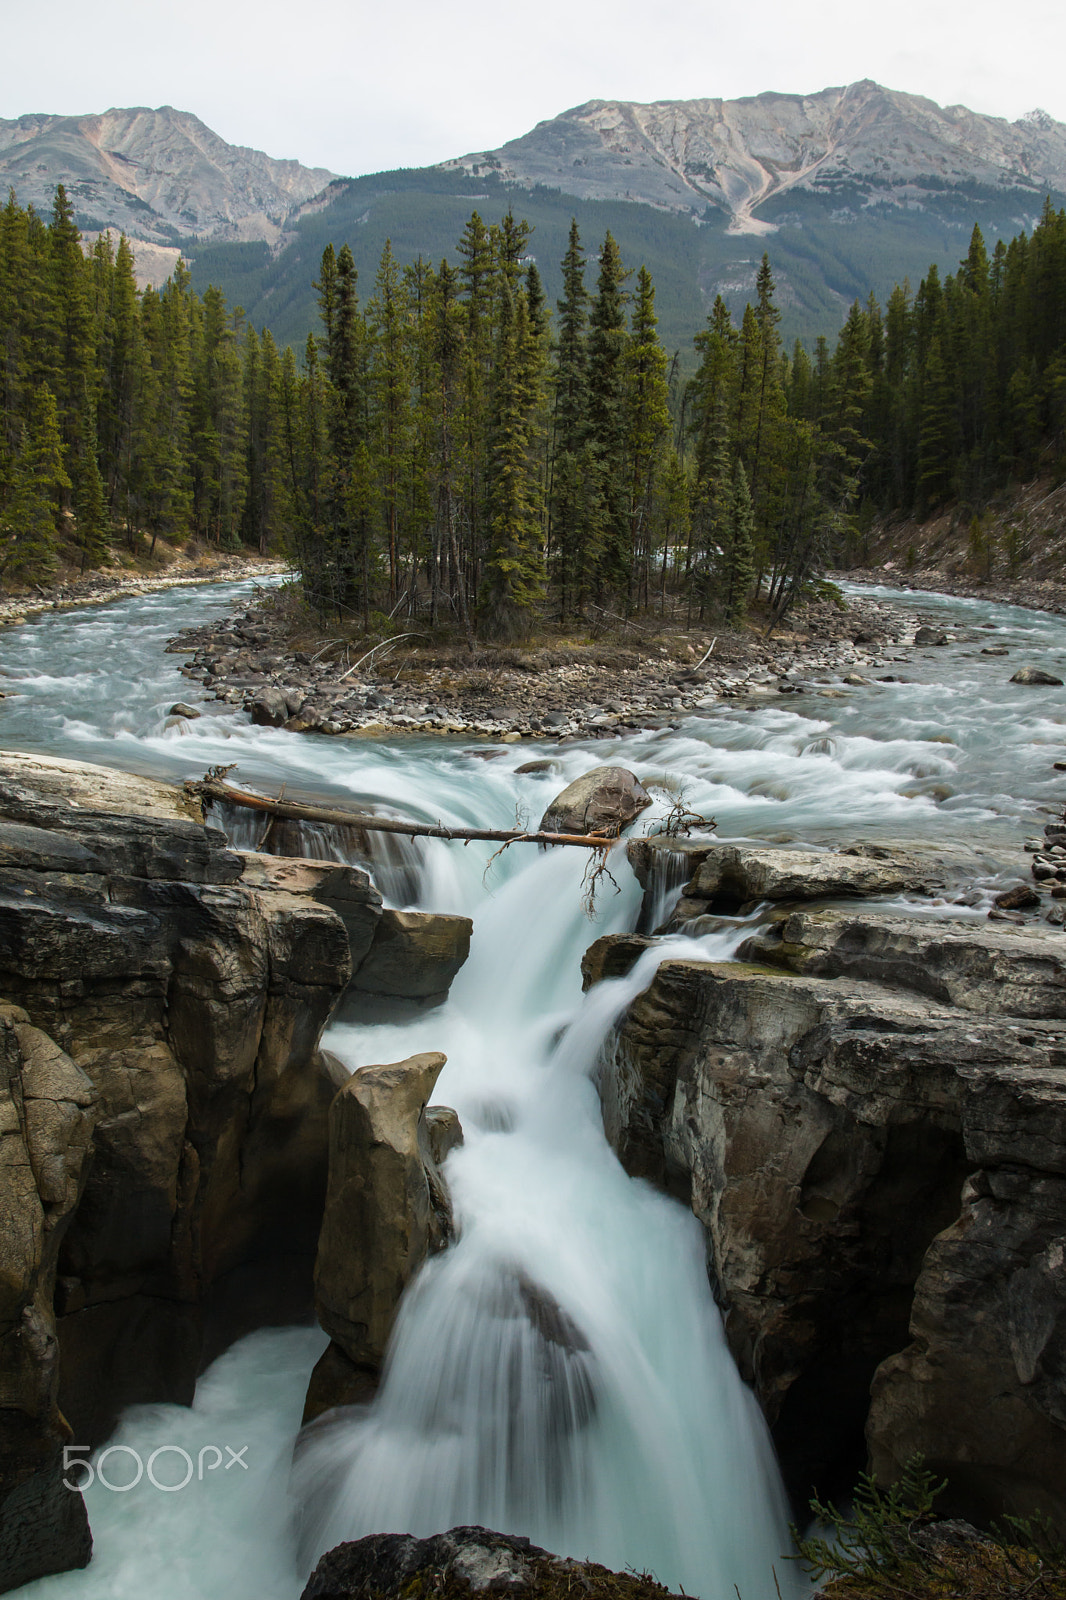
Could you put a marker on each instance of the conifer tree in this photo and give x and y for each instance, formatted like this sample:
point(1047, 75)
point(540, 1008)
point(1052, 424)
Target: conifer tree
point(607, 555)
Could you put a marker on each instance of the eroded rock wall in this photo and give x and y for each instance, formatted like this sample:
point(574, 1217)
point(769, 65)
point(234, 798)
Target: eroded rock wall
point(868, 1114)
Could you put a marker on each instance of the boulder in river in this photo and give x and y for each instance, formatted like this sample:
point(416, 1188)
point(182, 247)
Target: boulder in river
point(927, 636)
point(270, 708)
point(1037, 675)
point(605, 800)
point(466, 1561)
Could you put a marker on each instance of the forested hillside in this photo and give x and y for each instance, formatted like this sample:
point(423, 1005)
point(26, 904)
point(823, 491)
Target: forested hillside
point(448, 447)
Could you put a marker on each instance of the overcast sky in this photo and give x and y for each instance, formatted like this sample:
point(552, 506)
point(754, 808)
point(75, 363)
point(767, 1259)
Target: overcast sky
point(364, 85)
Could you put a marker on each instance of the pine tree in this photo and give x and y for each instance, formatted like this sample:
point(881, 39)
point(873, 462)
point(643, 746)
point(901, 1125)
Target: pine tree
point(567, 527)
point(647, 430)
point(607, 561)
point(737, 571)
point(514, 569)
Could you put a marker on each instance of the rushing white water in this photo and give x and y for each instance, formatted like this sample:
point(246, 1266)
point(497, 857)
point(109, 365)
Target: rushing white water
point(562, 1370)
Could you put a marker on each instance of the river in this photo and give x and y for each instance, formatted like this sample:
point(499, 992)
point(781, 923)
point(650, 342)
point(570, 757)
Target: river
point(643, 1448)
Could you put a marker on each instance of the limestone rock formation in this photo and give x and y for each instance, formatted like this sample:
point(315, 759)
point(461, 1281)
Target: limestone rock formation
point(721, 879)
point(386, 1209)
point(989, 970)
point(414, 956)
point(182, 1011)
point(870, 1123)
point(169, 996)
point(605, 800)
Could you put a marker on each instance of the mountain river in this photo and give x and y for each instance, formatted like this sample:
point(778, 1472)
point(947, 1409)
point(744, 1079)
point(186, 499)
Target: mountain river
point(623, 1432)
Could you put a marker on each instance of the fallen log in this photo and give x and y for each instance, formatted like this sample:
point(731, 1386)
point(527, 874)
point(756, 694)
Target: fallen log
point(295, 811)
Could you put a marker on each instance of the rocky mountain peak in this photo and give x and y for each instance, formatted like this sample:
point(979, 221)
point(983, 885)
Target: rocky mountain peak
point(882, 146)
point(159, 175)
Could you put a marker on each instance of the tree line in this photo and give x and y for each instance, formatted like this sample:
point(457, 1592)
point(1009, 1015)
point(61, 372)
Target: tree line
point(450, 449)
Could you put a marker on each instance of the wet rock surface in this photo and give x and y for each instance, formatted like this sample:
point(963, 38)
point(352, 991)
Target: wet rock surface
point(867, 1112)
point(386, 1209)
point(605, 800)
point(461, 1562)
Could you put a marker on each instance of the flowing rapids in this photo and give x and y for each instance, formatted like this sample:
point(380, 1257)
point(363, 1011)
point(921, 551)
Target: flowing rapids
point(561, 1371)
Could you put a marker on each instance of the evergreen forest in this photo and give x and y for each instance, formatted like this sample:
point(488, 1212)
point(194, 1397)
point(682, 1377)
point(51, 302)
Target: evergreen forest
point(448, 447)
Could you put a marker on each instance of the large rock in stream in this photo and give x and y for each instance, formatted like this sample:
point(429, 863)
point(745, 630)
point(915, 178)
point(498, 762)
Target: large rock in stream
point(867, 1113)
point(605, 800)
point(466, 1561)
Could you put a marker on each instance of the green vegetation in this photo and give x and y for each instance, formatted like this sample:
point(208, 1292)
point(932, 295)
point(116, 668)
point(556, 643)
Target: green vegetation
point(965, 383)
point(889, 1547)
point(450, 453)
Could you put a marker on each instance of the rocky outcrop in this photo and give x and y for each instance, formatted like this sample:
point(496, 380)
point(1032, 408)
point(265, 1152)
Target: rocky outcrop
point(868, 1113)
point(987, 970)
point(386, 1209)
point(414, 957)
point(605, 800)
point(747, 155)
point(166, 1140)
point(465, 1561)
point(980, 1390)
point(399, 958)
point(47, 1111)
point(182, 1010)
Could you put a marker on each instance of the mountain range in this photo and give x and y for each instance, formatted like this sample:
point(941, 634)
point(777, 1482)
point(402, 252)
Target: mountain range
point(849, 190)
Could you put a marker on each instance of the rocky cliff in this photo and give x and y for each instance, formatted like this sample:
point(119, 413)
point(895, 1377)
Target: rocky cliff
point(164, 1105)
point(867, 1112)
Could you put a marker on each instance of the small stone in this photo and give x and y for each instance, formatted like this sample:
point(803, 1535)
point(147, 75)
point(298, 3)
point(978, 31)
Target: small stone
point(180, 709)
point(1036, 675)
point(1019, 898)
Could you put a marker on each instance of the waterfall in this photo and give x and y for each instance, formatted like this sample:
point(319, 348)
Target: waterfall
point(561, 1371)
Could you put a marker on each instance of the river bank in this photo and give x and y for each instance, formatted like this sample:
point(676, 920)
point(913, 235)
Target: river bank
point(1035, 594)
point(104, 585)
point(565, 690)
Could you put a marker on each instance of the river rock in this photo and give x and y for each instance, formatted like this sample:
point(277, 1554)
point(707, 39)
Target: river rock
point(465, 1561)
point(269, 708)
point(926, 636)
point(379, 1220)
point(605, 800)
point(180, 709)
point(1036, 675)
